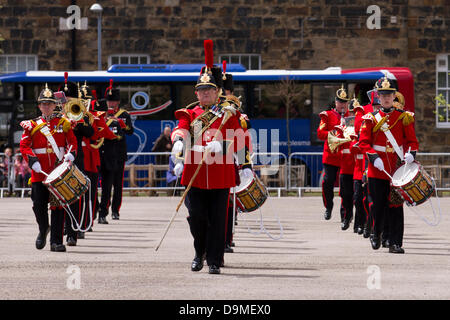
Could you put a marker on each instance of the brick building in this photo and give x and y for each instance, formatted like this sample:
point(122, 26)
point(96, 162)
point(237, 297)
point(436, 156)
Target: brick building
point(279, 34)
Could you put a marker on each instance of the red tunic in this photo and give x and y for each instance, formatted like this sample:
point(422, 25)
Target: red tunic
point(374, 142)
point(328, 120)
point(101, 130)
point(217, 172)
point(35, 144)
point(359, 160)
point(347, 158)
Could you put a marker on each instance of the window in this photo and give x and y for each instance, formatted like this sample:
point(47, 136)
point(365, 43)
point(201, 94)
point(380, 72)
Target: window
point(443, 91)
point(249, 61)
point(10, 63)
point(128, 59)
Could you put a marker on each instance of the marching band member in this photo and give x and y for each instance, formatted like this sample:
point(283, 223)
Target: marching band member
point(374, 105)
point(383, 135)
point(347, 169)
point(82, 128)
point(113, 155)
point(43, 145)
point(358, 156)
point(331, 160)
point(211, 154)
point(91, 147)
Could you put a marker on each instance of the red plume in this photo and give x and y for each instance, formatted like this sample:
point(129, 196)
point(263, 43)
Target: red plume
point(110, 87)
point(209, 54)
point(94, 94)
point(66, 76)
point(224, 66)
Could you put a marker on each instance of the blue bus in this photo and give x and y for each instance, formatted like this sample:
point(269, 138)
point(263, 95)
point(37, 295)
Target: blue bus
point(152, 92)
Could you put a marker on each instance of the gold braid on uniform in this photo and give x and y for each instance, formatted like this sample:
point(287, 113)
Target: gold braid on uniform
point(406, 116)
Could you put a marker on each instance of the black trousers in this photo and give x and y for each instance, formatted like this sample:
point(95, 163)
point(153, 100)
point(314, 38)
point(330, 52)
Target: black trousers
point(329, 179)
point(40, 197)
point(358, 200)
point(346, 194)
point(207, 215)
point(379, 191)
point(367, 201)
point(110, 179)
point(396, 225)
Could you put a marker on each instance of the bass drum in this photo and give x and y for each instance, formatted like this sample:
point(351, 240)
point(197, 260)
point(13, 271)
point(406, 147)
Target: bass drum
point(67, 183)
point(250, 194)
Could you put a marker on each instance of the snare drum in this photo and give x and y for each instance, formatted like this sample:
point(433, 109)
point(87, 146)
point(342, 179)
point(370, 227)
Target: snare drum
point(413, 183)
point(250, 194)
point(67, 183)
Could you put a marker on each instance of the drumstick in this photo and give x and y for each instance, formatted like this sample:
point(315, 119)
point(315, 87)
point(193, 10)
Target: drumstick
point(388, 174)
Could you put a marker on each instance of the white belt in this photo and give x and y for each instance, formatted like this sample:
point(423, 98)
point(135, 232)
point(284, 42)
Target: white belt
point(346, 151)
point(383, 149)
point(46, 150)
point(359, 156)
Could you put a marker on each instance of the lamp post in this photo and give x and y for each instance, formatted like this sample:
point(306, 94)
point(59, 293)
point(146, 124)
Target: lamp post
point(97, 8)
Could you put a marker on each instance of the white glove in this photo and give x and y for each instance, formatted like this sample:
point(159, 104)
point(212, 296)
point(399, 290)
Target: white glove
point(409, 158)
point(69, 157)
point(176, 149)
point(247, 173)
point(214, 146)
point(178, 169)
point(36, 167)
point(378, 163)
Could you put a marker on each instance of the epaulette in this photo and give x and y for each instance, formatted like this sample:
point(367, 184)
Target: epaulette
point(369, 116)
point(323, 113)
point(408, 118)
point(179, 113)
point(65, 124)
point(27, 124)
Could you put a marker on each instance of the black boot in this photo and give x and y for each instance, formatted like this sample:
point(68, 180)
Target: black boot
point(41, 239)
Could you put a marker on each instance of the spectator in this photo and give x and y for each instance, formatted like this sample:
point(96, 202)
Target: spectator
point(5, 163)
point(23, 172)
point(163, 144)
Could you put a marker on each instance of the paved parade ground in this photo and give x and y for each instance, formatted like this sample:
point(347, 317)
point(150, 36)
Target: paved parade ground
point(314, 259)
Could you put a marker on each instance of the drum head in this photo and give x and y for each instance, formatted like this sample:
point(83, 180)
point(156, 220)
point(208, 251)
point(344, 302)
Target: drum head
point(57, 172)
point(245, 182)
point(404, 175)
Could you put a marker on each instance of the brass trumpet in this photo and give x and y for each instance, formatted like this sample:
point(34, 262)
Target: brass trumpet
point(74, 109)
point(334, 142)
point(348, 130)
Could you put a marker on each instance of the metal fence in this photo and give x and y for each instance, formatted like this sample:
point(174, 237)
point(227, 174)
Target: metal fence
point(147, 172)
